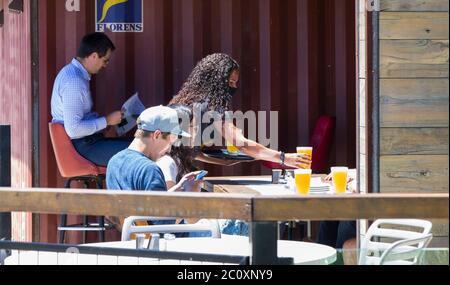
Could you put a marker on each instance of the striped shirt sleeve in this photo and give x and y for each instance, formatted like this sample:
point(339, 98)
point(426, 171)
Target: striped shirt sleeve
point(75, 104)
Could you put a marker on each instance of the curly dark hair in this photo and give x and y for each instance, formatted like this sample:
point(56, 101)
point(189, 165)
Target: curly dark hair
point(209, 83)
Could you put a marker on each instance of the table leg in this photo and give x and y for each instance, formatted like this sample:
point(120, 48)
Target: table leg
point(264, 244)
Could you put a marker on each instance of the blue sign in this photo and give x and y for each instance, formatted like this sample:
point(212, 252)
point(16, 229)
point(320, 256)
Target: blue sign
point(119, 15)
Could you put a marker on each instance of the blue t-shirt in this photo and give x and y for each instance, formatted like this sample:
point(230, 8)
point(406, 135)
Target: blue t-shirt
point(132, 170)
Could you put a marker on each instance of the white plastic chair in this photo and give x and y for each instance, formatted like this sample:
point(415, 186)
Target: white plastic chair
point(129, 227)
point(406, 249)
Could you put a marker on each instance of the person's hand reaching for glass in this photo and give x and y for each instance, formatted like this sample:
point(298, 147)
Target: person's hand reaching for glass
point(350, 186)
point(297, 160)
point(329, 178)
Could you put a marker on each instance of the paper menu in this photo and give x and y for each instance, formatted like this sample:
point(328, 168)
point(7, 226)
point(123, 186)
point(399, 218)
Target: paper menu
point(131, 110)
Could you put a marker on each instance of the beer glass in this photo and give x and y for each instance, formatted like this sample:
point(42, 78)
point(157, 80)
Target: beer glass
point(340, 176)
point(303, 180)
point(306, 150)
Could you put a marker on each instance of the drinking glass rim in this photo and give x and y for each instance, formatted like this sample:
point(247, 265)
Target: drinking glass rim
point(339, 168)
point(303, 171)
point(304, 148)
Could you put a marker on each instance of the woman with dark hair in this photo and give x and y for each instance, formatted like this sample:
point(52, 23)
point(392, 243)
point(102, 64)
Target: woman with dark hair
point(211, 86)
point(180, 161)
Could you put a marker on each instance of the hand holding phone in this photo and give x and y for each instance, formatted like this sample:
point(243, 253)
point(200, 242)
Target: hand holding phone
point(202, 174)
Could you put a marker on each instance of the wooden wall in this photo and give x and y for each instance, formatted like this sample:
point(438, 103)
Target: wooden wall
point(414, 86)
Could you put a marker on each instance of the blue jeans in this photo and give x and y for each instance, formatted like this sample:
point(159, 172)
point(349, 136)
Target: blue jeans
point(98, 149)
point(336, 233)
point(234, 227)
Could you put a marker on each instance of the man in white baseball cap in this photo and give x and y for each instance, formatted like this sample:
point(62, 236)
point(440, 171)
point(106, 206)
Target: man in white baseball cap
point(135, 168)
point(161, 118)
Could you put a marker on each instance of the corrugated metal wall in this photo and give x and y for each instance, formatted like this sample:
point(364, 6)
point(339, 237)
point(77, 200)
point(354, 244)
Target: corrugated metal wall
point(297, 57)
point(15, 104)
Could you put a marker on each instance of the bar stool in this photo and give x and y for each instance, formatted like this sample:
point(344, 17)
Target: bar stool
point(73, 167)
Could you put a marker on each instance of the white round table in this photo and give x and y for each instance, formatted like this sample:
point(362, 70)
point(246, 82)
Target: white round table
point(304, 253)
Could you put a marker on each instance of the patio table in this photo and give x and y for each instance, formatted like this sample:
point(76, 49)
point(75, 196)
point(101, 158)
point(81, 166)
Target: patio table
point(303, 253)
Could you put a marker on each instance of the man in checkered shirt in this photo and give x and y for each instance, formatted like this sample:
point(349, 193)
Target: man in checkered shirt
point(72, 102)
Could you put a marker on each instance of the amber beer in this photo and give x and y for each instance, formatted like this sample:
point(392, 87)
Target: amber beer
point(306, 150)
point(303, 181)
point(232, 150)
point(340, 176)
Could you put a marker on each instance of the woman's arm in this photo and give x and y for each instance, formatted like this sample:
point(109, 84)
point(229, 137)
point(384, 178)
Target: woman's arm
point(188, 178)
point(171, 186)
point(260, 152)
point(216, 161)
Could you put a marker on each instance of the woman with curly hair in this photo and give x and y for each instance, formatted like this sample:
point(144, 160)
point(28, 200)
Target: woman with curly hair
point(211, 85)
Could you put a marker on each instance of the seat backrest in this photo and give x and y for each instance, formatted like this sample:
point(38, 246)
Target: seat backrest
point(406, 252)
point(390, 235)
point(322, 141)
point(70, 162)
point(131, 228)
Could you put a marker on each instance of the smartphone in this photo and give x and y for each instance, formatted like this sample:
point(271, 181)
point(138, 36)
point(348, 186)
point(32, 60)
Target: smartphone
point(202, 174)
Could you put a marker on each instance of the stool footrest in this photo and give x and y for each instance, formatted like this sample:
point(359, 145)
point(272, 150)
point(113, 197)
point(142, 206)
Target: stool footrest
point(83, 228)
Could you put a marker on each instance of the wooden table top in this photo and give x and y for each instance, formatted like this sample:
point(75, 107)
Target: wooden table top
point(238, 184)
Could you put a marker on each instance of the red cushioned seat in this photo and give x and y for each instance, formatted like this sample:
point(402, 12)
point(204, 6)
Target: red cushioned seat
point(321, 141)
point(74, 167)
point(70, 162)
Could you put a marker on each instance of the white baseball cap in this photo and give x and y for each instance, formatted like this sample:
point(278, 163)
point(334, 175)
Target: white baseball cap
point(161, 118)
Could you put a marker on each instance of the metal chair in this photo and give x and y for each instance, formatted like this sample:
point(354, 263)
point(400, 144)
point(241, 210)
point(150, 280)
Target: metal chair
point(73, 167)
point(406, 248)
point(130, 227)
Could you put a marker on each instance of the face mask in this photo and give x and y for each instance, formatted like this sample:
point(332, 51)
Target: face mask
point(232, 90)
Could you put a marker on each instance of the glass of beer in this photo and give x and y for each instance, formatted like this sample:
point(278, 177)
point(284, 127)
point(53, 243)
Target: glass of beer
point(303, 181)
point(340, 176)
point(305, 150)
point(232, 150)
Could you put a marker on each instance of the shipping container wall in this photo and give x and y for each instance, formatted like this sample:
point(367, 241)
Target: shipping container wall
point(297, 57)
point(15, 104)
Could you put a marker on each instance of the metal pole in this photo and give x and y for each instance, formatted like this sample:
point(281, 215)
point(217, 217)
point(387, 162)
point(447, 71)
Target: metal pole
point(5, 177)
point(264, 244)
point(34, 28)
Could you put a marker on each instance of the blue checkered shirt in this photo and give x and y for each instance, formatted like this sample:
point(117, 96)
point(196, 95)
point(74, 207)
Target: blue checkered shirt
point(72, 102)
